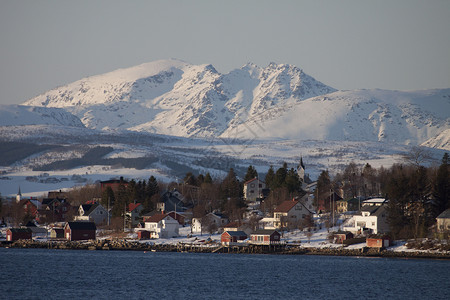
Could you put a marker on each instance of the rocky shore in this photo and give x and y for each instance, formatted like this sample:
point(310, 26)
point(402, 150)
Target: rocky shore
point(121, 244)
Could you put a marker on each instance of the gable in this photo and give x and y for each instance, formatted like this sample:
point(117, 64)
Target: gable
point(81, 225)
point(286, 206)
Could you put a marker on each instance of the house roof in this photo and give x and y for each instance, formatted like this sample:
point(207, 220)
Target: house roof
point(445, 214)
point(50, 201)
point(370, 209)
point(89, 208)
point(156, 218)
point(374, 201)
point(342, 232)
point(82, 225)
point(232, 225)
point(236, 233)
point(374, 210)
point(265, 232)
point(133, 206)
point(20, 230)
point(251, 180)
point(172, 202)
point(381, 210)
point(286, 206)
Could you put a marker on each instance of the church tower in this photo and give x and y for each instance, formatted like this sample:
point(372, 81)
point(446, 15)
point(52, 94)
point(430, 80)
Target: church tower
point(18, 196)
point(301, 170)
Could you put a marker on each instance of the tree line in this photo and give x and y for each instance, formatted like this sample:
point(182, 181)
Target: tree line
point(416, 194)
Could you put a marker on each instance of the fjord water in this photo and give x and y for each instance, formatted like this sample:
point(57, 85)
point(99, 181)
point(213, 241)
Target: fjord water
point(79, 274)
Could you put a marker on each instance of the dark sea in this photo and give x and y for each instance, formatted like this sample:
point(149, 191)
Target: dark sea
point(79, 274)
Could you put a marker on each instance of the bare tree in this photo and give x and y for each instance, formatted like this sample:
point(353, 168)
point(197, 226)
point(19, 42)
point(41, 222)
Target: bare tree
point(417, 156)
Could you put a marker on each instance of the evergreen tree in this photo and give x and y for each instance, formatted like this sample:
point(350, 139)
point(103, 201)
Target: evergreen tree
point(398, 194)
point(322, 199)
point(132, 193)
point(230, 185)
point(200, 179)
point(280, 176)
point(121, 198)
point(441, 186)
point(270, 178)
point(208, 179)
point(251, 173)
point(190, 179)
point(152, 189)
point(108, 198)
point(293, 182)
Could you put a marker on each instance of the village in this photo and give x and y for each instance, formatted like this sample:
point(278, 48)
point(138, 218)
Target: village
point(306, 221)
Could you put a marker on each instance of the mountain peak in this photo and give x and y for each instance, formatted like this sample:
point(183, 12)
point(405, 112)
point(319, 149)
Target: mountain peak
point(176, 98)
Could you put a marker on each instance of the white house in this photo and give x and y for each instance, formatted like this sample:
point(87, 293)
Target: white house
point(443, 221)
point(253, 189)
point(290, 214)
point(162, 226)
point(92, 212)
point(216, 220)
point(373, 218)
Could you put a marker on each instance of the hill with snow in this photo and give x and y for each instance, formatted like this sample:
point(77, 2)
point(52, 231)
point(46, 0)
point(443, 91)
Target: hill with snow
point(170, 117)
point(175, 98)
point(11, 115)
point(410, 118)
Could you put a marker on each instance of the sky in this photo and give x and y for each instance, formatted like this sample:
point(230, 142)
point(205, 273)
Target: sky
point(346, 44)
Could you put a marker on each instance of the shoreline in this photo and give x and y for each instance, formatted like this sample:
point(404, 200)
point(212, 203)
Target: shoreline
point(122, 245)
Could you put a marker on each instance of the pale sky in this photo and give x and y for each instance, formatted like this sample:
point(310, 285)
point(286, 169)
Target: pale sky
point(354, 44)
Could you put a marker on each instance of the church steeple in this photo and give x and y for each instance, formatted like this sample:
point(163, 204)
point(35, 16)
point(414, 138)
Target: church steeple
point(301, 170)
point(19, 195)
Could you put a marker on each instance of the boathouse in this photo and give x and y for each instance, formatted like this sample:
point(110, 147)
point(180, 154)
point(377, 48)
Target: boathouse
point(77, 231)
point(229, 238)
point(265, 237)
point(378, 241)
point(14, 234)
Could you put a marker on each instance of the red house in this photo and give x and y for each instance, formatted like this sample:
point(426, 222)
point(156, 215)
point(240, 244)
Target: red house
point(266, 237)
point(143, 234)
point(30, 206)
point(341, 236)
point(14, 234)
point(378, 241)
point(77, 231)
point(232, 237)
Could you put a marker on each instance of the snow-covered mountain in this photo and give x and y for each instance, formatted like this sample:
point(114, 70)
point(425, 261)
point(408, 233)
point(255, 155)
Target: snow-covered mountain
point(12, 115)
point(409, 118)
point(175, 98)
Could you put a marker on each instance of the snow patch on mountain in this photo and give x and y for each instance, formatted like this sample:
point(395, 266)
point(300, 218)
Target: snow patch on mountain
point(441, 141)
point(13, 115)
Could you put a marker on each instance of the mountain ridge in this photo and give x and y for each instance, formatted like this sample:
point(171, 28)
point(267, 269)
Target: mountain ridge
point(173, 97)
